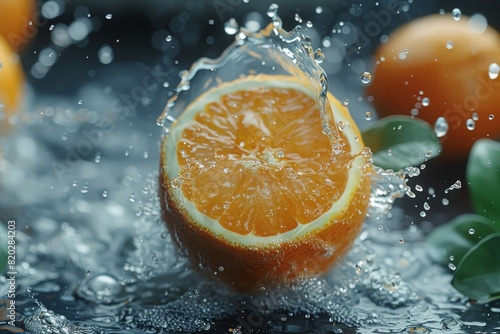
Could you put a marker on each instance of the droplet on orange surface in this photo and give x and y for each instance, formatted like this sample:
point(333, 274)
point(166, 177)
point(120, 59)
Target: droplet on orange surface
point(11, 84)
point(251, 182)
point(18, 22)
point(453, 62)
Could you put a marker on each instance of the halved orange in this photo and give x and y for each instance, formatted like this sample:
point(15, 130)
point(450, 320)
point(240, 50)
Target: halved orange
point(252, 188)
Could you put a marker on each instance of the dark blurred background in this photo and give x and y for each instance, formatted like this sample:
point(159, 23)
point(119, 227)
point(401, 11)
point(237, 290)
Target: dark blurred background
point(114, 43)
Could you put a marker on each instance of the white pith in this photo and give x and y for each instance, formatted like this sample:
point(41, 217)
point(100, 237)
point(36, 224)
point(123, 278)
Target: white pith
point(171, 165)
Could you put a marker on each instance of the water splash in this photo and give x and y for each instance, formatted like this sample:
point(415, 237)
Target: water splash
point(272, 50)
point(389, 185)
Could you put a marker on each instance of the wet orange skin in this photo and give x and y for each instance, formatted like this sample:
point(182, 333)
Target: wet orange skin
point(249, 269)
point(15, 17)
point(455, 79)
point(11, 83)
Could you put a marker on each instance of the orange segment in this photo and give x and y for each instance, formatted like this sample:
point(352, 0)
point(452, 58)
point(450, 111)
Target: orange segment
point(251, 183)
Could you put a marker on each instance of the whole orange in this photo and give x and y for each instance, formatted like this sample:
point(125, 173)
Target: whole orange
point(438, 66)
point(18, 22)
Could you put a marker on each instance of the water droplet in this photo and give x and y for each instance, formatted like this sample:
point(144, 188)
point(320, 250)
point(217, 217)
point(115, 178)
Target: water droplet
point(105, 54)
point(493, 71)
point(457, 14)
point(298, 18)
point(491, 117)
point(423, 214)
point(366, 78)
point(272, 10)
point(368, 115)
point(109, 16)
point(425, 101)
point(471, 125)
point(231, 27)
point(452, 266)
point(427, 206)
point(401, 240)
point(280, 154)
point(309, 24)
point(441, 127)
point(475, 116)
point(346, 102)
point(341, 125)
point(105, 193)
point(471, 231)
point(85, 189)
point(168, 38)
point(221, 268)
point(319, 56)
point(449, 45)
point(319, 10)
point(445, 201)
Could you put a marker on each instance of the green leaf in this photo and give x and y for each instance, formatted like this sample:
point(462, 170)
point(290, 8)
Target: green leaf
point(401, 141)
point(478, 274)
point(3, 247)
point(457, 237)
point(483, 176)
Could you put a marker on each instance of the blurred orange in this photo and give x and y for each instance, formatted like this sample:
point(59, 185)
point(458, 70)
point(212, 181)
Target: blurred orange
point(11, 83)
point(16, 24)
point(437, 66)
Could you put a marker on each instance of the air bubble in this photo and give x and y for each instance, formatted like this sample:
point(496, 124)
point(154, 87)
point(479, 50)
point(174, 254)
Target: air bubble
point(449, 45)
point(471, 231)
point(109, 16)
point(319, 10)
point(452, 266)
point(366, 78)
point(425, 101)
point(168, 38)
point(441, 127)
point(309, 24)
point(298, 18)
point(401, 240)
point(341, 125)
point(491, 117)
point(368, 115)
point(457, 14)
point(445, 201)
point(280, 154)
point(493, 71)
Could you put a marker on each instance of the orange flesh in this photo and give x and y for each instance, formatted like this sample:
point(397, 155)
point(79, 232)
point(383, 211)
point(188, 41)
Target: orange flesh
point(258, 162)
